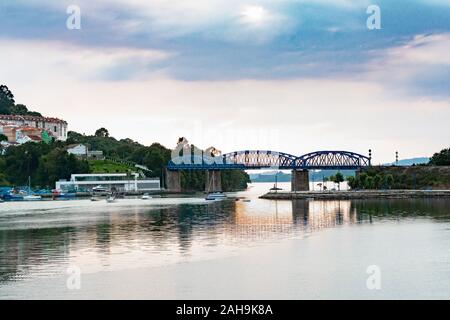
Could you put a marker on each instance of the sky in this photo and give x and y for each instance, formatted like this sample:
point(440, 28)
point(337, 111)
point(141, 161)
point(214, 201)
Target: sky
point(292, 76)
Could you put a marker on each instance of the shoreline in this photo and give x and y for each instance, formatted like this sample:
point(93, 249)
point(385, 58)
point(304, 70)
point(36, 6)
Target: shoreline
point(361, 194)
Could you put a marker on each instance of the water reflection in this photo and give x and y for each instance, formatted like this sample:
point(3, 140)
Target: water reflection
point(142, 236)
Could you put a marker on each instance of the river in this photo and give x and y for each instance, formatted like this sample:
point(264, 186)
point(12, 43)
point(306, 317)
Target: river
point(239, 248)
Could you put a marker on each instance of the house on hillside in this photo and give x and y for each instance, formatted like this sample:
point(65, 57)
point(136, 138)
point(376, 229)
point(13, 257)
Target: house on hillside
point(79, 150)
point(23, 134)
point(56, 128)
point(29, 138)
point(82, 151)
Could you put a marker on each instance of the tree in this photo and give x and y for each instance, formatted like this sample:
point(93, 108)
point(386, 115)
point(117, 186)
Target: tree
point(338, 178)
point(362, 177)
point(352, 183)
point(22, 161)
point(377, 179)
point(58, 164)
point(19, 109)
point(6, 100)
point(3, 137)
point(389, 179)
point(102, 132)
point(441, 159)
point(368, 184)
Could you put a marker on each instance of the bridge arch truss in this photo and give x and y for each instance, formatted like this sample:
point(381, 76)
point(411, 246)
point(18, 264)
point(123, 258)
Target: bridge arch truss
point(260, 159)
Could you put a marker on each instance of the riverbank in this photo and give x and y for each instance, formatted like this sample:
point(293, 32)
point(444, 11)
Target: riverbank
point(360, 194)
point(104, 194)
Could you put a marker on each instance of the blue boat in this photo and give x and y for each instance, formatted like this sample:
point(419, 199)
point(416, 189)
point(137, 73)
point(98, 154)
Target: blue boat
point(12, 197)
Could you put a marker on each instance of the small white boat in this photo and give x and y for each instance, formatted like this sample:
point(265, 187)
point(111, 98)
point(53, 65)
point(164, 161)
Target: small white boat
point(216, 196)
point(111, 199)
point(99, 189)
point(32, 198)
point(146, 196)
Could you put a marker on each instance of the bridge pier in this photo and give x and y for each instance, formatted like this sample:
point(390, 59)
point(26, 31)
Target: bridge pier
point(300, 180)
point(173, 181)
point(213, 181)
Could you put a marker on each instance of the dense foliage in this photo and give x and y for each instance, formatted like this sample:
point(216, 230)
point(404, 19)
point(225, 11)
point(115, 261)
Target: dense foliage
point(43, 163)
point(47, 163)
point(8, 104)
point(155, 157)
point(441, 159)
point(371, 180)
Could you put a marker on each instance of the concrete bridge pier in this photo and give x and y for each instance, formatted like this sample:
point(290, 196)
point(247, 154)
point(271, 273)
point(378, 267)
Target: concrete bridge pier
point(300, 180)
point(213, 181)
point(173, 181)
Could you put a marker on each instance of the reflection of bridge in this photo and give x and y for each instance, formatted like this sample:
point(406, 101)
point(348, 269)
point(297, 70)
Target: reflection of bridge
point(258, 159)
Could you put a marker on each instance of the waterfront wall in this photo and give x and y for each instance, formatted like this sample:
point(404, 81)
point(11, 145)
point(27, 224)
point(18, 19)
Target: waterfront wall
point(364, 194)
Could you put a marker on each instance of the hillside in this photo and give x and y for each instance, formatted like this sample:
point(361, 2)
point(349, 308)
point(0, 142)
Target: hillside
point(410, 162)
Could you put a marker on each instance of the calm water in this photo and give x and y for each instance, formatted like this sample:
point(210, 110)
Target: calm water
point(243, 248)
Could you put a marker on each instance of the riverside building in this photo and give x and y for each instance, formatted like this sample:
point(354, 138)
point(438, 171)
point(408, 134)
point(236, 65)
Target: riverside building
point(120, 182)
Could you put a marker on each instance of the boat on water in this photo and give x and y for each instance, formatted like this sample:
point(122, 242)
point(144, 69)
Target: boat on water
point(215, 196)
point(32, 197)
point(275, 189)
point(99, 189)
point(275, 186)
point(146, 196)
point(111, 199)
point(12, 197)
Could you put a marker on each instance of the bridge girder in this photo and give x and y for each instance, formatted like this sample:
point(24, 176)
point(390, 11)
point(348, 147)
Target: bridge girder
point(259, 159)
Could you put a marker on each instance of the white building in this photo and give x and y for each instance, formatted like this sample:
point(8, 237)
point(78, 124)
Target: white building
point(78, 150)
point(55, 127)
point(111, 181)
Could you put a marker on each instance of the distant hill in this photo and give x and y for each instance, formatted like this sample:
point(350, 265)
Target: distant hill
point(410, 162)
point(319, 175)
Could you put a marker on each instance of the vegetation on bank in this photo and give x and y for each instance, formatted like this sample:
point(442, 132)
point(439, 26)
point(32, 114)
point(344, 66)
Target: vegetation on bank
point(433, 175)
point(232, 180)
point(413, 177)
point(8, 104)
point(106, 166)
point(441, 158)
point(47, 163)
point(43, 163)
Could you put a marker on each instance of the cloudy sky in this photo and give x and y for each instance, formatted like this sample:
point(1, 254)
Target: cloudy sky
point(284, 75)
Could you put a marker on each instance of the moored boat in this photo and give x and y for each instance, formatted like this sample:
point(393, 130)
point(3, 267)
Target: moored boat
point(99, 189)
point(146, 196)
point(111, 199)
point(215, 196)
point(12, 197)
point(32, 197)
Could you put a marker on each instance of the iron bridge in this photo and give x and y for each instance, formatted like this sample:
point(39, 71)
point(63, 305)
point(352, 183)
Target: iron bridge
point(260, 159)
